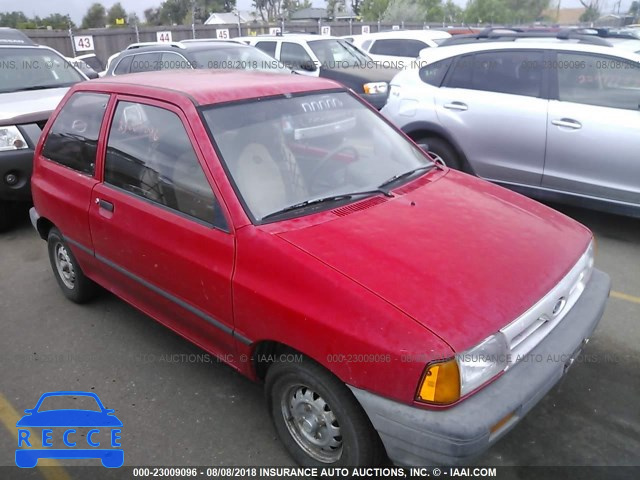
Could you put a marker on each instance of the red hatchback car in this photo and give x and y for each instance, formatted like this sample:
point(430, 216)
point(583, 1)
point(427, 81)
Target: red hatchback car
point(281, 223)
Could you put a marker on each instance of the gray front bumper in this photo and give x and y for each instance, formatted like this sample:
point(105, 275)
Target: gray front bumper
point(414, 436)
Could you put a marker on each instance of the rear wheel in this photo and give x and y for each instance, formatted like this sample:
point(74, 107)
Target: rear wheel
point(317, 418)
point(74, 284)
point(442, 152)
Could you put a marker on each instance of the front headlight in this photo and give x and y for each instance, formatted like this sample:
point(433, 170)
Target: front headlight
point(445, 382)
point(375, 87)
point(11, 139)
point(483, 362)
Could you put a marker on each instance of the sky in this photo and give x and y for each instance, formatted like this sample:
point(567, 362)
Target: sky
point(77, 8)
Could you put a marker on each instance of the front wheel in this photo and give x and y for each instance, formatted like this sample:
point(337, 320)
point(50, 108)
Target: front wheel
point(441, 152)
point(74, 284)
point(317, 417)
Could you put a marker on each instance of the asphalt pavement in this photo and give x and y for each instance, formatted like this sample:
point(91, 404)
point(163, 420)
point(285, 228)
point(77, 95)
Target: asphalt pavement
point(179, 407)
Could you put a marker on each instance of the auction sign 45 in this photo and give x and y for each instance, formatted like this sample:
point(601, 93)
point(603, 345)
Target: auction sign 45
point(73, 425)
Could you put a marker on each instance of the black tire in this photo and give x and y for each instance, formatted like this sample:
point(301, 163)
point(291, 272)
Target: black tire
point(442, 149)
point(7, 215)
point(359, 443)
point(72, 280)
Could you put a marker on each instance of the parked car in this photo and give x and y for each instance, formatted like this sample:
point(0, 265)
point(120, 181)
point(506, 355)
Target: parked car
point(92, 60)
point(259, 217)
point(83, 67)
point(201, 55)
point(33, 79)
point(332, 58)
point(536, 117)
point(398, 47)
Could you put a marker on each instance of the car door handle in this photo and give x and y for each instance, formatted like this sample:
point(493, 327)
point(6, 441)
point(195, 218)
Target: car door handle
point(456, 106)
point(104, 204)
point(567, 123)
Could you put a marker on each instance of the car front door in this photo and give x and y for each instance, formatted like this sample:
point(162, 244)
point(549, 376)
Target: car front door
point(157, 225)
point(66, 170)
point(593, 141)
point(494, 105)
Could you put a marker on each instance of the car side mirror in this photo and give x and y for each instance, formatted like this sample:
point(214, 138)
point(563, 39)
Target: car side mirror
point(109, 411)
point(92, 74)
point(307, 67)
point(29, 410)
point(424, 147)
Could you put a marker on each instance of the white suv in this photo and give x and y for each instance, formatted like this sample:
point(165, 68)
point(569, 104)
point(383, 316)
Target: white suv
point(398, 46)
point(554, 120)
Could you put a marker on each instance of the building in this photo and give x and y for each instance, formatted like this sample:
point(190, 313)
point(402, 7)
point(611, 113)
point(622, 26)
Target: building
point(226, 18)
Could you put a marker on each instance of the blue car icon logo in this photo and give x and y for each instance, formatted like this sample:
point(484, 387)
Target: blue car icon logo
point(104, 431)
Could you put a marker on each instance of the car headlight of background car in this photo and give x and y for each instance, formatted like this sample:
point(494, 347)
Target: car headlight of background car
point(11, 139)
point(375, 87)
point(446, 381)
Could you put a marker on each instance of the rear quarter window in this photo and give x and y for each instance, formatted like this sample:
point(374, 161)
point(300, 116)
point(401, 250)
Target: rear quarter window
point(434, 74)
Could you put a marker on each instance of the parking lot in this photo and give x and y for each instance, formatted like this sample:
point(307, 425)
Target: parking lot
point(179, 407)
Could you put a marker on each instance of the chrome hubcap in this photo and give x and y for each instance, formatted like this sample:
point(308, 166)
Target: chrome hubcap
point(64, 265)
point(312, 424)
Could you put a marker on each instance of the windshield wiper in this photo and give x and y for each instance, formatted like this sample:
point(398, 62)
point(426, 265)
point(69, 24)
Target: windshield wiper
point(41, 87)
point(330, 198)
point(406, 174)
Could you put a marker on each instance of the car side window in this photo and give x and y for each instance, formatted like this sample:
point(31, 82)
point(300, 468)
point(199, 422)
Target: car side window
point(173, 61)
point(123, 65)
point(145, 62)
point(512, 72)
point(365, 45)
point(267, 47)
point(405, 47)
point(294, 55)
point(150, 155)
point(598, 80)
point(434, 74)
point(73, 138)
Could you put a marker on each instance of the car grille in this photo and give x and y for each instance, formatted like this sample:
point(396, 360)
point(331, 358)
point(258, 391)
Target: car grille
point(528, 330)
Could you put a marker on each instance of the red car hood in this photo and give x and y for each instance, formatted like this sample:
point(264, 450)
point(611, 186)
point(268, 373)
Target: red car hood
point(459, 255)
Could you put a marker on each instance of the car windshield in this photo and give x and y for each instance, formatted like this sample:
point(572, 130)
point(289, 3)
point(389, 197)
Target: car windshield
point(281, 152)
point(34, 68)
point(66, 402)
point(334, 53)
point(238, 57)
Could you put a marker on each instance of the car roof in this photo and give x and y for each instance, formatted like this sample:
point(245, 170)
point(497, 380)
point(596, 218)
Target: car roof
point(440, 53)
point(14, 38)
point(303, 37)
point(206, 87)
point(408, 34)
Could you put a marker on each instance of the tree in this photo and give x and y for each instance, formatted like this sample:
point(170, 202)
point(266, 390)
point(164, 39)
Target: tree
point(372, 10)
point(96, 17)
point(116, 11)
point(13, 19)
point(335, 6)
point(174, 12)
point(270, 10)
point(56, 21)
point(452, 13)
point(356, 6)
point(592, 12)
point(634, 9)
point(152, 16)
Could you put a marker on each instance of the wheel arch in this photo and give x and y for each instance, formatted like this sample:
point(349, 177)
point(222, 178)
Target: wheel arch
point(421, 129)
point(44, 226)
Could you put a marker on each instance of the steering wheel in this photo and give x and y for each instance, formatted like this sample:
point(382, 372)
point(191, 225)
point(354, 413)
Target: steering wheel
point(320, 181)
